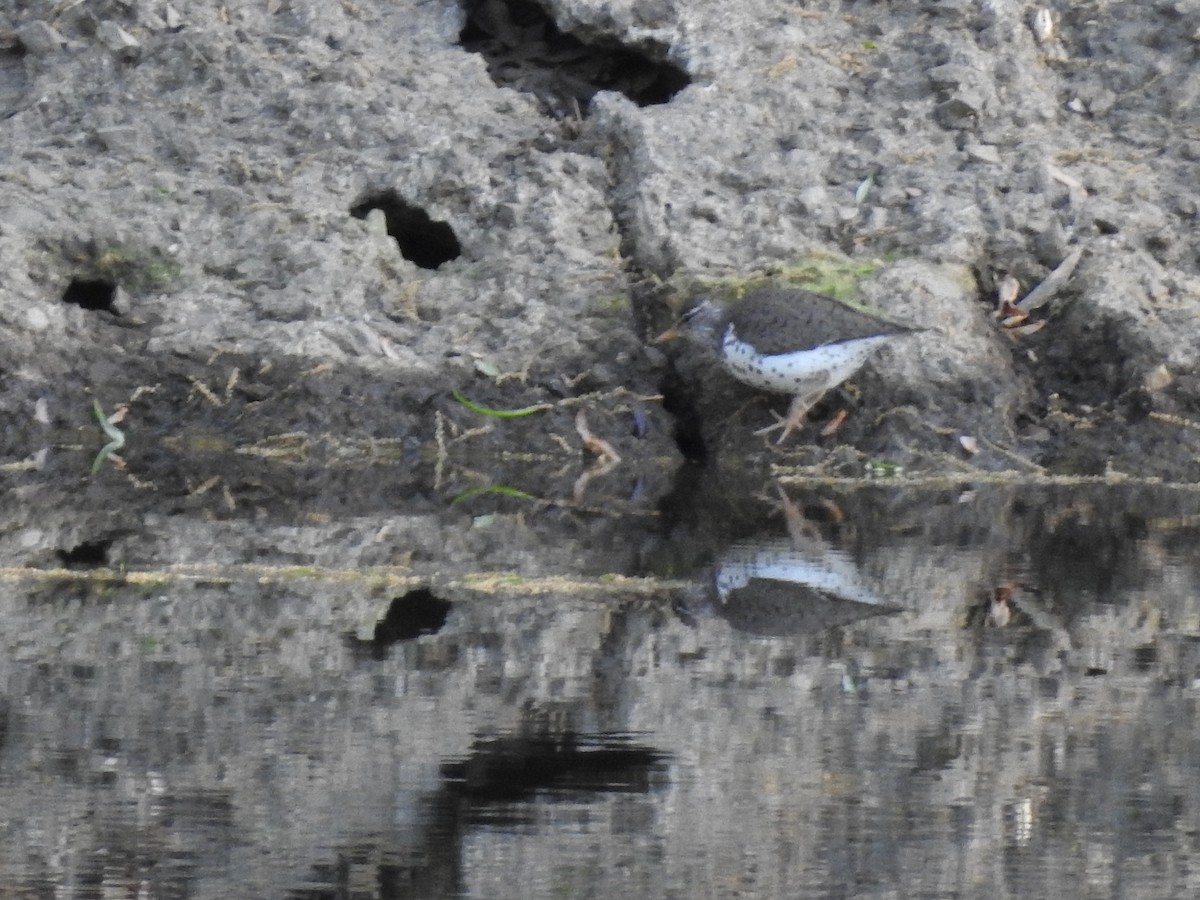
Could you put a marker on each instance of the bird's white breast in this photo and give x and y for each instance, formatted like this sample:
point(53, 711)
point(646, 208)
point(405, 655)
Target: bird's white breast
point(822, 568)
point(799, 371)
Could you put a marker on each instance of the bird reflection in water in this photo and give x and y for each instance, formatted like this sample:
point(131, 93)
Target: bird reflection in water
point(792, 585)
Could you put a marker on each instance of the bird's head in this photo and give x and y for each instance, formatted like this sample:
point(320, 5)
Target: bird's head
point(701, 321)
point(697, 601)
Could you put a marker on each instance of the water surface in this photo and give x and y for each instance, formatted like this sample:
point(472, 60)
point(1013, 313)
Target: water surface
point(967, 692)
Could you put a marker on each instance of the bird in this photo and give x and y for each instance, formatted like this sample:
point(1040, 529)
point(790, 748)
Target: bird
point(788, 340)
point(773, 586)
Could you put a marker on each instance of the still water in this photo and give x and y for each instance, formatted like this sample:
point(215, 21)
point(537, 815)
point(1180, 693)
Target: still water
point(826, 693)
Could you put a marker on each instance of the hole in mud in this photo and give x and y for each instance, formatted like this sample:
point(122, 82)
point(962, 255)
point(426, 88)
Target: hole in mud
point(417, 613)
point(422, 241)
point(525, 50)
point(92, 295)
point(88, 555)
point(678, 393)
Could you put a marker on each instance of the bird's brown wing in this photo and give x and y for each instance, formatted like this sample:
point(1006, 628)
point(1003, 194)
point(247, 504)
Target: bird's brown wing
point(780, 320)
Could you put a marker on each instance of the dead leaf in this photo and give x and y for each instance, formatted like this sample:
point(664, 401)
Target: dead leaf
point(595, 444)
point(835, 423)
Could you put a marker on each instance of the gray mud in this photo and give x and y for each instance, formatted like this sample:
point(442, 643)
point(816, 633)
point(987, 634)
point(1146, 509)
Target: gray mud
point(209, 166)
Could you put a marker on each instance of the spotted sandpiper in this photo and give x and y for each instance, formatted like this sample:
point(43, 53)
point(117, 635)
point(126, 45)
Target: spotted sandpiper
point(788, 340)
point(774, 586)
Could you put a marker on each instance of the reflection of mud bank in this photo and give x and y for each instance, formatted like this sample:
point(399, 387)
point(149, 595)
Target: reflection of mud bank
point(232, 710)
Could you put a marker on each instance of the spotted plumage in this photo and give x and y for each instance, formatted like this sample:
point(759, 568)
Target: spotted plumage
point(775, 587)
point(791, 341)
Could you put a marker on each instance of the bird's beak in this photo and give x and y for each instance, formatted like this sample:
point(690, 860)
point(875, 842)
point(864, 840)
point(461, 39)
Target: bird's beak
point(669, 335)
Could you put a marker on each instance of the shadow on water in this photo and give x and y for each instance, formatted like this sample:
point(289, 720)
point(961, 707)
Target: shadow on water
point(808, 690)
point(508, 784)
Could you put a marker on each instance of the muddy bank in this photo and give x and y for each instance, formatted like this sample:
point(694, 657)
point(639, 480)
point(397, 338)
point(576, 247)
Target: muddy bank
point(183, 185)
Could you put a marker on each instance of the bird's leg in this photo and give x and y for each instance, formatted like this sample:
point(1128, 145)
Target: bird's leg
point(801, 531)
point(794, 420)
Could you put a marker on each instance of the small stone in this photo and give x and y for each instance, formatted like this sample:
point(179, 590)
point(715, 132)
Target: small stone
point(40, 39)
point(985, 153)
point(119, 304)
point(813, 199)
point(1158, 379)
point(120, 42)
point(951, 76)
point(1103, 100)
point(653, 13)
point(1051, 245)
point(151, 22)
point(951, 11)
point(1043, 25)
point(36, 319)
point(40, 179)
point(118, 137)
point(956, 113)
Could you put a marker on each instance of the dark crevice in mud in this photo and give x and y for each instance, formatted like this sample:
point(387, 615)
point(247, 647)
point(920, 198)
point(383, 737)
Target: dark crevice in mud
point(680, 509)
point(94, 295)
point(86, 555)
point(651, 317)
point(422, 241)
point(526, 50)
point(680, 404)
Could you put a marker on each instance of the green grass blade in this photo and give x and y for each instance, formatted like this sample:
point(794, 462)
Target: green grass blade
point(501, 489)
point(501, 413)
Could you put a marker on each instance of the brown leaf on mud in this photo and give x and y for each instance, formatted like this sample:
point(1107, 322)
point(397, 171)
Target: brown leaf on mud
point(607, 457)
point(1006, 293)
point(835, 423)
point(595, 444)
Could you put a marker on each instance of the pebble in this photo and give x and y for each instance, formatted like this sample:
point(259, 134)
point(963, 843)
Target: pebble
point(40, 39)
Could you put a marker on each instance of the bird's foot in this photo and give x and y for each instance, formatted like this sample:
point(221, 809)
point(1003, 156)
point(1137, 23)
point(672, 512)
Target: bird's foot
point(801, 531)
point(793, 421)
point(779, 423)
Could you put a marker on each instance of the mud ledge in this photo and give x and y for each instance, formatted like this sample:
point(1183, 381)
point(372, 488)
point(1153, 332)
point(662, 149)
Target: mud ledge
point(190, 193)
